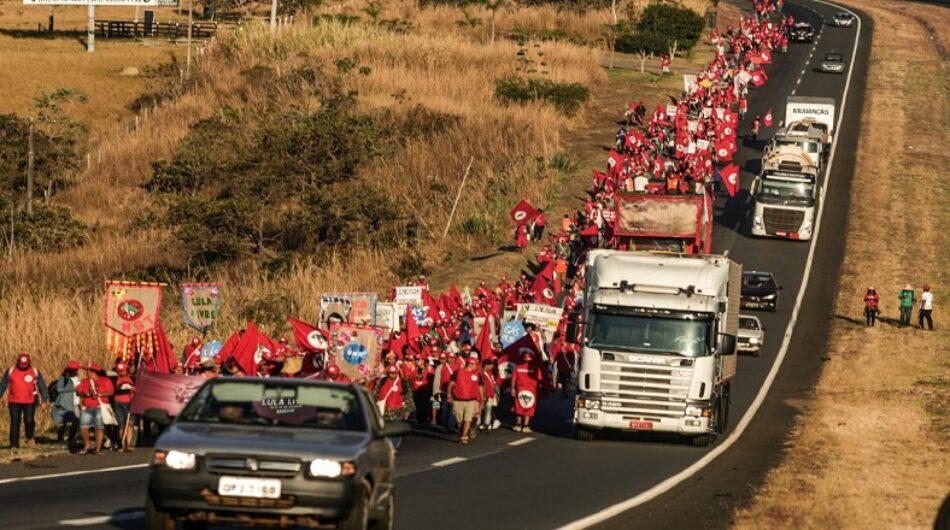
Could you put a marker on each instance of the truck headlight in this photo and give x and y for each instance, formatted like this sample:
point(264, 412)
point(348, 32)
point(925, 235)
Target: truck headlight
point(696, 412)
point(805, 229)
point(753, 340)
point(326, 468)
point(758, 221)
point(592, 404)
point(177, 460)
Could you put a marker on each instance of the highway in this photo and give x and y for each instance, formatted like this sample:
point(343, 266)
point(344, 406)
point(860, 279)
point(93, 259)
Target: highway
point(547, 479)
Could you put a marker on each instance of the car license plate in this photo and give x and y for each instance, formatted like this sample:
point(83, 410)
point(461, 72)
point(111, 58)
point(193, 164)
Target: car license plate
point(258, 488)
point(642, 425)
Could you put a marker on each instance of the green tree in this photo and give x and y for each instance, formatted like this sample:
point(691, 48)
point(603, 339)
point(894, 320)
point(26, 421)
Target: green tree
point(644, 44)
point(682, 27)
point(60, 137)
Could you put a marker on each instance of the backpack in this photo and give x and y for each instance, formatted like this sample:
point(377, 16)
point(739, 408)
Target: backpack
point(52, 391)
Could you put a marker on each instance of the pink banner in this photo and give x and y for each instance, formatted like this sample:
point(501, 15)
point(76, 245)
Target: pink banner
point(170, 392)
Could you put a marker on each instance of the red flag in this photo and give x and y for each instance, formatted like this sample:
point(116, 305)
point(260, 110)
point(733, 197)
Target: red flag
point(430, 305)
point(523, 212)
point(730, 178)
point(512, 356)
point(412, 332)
point(543, 292)
point(309, 338)
point(549, 273)
point(455, 296)
point(251, 348)
point(723, 153)
point(483, 342)
point(768, 118)
point(766, 57)
point(759, 78)
point(165, 360)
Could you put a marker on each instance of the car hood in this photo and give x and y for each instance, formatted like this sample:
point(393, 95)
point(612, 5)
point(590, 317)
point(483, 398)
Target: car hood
point(260, 440)
point(749, 333)
point(762, 291)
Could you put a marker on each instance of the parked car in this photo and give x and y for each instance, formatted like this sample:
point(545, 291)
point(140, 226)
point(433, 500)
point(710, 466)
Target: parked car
point(843, 20)
point(751, 334)
point(269, 452)
point(833, 63)
point(759, 290)
point(802, 32)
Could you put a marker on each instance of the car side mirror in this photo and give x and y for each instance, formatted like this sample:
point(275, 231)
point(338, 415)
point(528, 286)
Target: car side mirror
point(159, 417)
point(398, 428)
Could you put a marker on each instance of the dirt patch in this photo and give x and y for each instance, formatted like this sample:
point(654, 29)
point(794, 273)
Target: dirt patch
point(870, 450)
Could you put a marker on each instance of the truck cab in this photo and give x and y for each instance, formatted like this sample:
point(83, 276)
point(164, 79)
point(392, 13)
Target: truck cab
point(659, 344)
point(802, 135)
point(786, 195)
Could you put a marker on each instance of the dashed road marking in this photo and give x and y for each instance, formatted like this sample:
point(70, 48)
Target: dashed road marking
point(521, 441)
point(449, 461)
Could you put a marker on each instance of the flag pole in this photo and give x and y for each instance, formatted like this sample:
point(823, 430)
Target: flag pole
point(457, 197)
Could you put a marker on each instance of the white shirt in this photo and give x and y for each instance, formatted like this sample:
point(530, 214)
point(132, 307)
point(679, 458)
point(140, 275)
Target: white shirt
point(640, 183)
point(927, 300)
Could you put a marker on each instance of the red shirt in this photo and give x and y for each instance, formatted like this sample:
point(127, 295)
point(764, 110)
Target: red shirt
point(466, 385)
point(22, 386)
point(390, 390)
point(103, 385)
point(527, 377)
point(489, 379)
point(445, 374)
point(126, 396)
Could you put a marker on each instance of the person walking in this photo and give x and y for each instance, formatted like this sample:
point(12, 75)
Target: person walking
point(756, 126)
point(466, 393)
point(907, 297)
point(926, 308)
point(65, 411)
point(25, 384)
point(94, 387)
point(872, 302)
point(393, 396)
point(525, 383)
point(488, 422)
point(538, 226)
point(124, 390)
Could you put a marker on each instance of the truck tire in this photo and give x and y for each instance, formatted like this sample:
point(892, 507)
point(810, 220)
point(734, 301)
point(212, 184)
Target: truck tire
point(583, 434)
point(703, 440)
point(388, 519)
point(156, 519)
point(358, 518)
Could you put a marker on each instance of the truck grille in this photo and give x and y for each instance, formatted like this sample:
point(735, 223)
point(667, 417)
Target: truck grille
point(781, 220)
point(252, 466)
point(644, 391)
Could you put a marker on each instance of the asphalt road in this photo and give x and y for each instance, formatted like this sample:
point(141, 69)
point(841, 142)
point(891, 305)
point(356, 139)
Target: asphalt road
point(547, 479)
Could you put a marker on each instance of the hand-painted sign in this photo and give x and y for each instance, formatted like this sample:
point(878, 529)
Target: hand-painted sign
point(201, 304)
point(132, 307)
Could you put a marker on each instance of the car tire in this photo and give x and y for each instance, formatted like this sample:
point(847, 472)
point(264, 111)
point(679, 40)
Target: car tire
point(156, 519)
point(194, 525)
point(358, 518)
point(583, 435)
point(756, 353)
point(388, 519)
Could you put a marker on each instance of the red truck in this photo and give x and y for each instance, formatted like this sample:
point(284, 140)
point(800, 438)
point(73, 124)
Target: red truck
point(676, 224)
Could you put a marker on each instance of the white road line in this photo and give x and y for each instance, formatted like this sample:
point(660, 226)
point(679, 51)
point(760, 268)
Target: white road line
point(103, 519)
point(522, 441)
point(803, 71)
point(449, 461)
point(696, 467)
point(72, 473)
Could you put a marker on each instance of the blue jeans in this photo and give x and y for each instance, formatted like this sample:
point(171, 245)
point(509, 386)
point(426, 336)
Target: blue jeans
point(446, 417)
point(91, 418)
point(905, 315)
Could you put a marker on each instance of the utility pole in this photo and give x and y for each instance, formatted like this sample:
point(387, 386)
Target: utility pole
point(191, 5)
point(273, 16)
point(91, 29)
point(29, 172)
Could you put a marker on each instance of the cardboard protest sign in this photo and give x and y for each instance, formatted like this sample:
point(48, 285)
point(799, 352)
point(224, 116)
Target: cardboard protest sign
point(511, 332)
point(132, 307)
point(355, 308)
point(546, 317)
point(357, 348)
point(200, 304)
point(166, 391)
point(387, 316)
point(409, 295)
point(689, 83)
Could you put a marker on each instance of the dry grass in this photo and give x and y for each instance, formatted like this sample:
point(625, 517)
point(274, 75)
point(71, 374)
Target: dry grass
point(871, 450)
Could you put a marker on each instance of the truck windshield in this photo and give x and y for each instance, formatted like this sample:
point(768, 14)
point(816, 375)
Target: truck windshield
point(808, 147)
point(801, 193)
point(649, 334)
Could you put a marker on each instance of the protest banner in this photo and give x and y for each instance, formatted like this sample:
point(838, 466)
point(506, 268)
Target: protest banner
point(132, 307)
point(546, 317)
point(467, 296)
point(166, 391)
point(355, 308)
point(386, 316)
point(334, 310)
point(200, 304)
point(671, 111)
point(357, 348)
point(689, 83)
point(409, 295)
point(511, 332)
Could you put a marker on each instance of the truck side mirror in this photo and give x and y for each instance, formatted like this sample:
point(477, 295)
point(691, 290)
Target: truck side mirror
point(728, 344)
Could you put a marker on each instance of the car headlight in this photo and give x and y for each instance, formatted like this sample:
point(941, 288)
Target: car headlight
point(177, 460)
point(753, 340)
point(769, 297)
point(326, 468)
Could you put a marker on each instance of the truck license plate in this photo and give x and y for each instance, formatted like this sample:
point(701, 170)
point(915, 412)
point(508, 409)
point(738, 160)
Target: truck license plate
point(642, 425)
point(257, 488)
point(781, 234)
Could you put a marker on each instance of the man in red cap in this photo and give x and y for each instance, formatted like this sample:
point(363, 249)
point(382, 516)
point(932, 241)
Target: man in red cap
point(191, 355)
point(525, 383)
point(124, 389)
point(25, 383)
point(334, 376)
point(94, 391)
point(466, 393)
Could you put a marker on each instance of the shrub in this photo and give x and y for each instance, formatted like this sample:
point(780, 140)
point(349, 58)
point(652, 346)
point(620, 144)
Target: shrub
point(476, 225)
point(678, 23)
point(567, 98)
point(48, 229)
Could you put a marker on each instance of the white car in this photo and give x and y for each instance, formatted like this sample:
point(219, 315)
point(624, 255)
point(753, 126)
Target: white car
point(751, 334)
point(843, 20)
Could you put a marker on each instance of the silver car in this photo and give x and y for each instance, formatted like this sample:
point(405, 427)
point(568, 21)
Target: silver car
point(751, 334)
point(843, 20)
point(833, 63)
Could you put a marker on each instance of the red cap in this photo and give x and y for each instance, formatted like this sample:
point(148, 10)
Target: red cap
point(73, 365)
point(926, 286)
point(195, 341)
point(466, 346)
point(23, 361)
point(93, 367)
point(442, 356)
point(333, 370)
point(121, 367)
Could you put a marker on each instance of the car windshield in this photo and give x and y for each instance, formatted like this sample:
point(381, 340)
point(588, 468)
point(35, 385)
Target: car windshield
point(650, 334)
point(758, 281)
point(250, 402)
point(748, 323)
point(834, 58)
point(787, 192)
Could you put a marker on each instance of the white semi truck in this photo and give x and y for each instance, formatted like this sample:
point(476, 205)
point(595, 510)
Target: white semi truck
point(786, 195)
point(659, 344)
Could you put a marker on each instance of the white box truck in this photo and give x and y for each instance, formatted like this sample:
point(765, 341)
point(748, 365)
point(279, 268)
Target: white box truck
point(659, 344)
point(813, 111)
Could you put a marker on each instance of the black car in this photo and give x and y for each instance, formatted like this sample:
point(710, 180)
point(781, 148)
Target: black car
point(274, 452)
point(759, 290)
point(802, 32)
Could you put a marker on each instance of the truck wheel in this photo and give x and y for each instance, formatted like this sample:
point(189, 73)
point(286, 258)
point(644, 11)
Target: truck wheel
point(583, 434)
point(387, 520)
point(703, 440)
point(156, 519)
point(358, 518)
